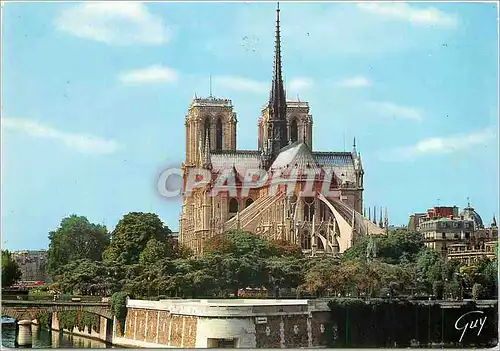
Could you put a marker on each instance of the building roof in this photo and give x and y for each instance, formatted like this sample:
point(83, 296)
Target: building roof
point(293, 156)
point(240, 159)
point(470, 214)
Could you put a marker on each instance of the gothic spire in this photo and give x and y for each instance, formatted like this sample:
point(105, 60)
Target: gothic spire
point(277, 94)
point(277, 98)
point(207, 162)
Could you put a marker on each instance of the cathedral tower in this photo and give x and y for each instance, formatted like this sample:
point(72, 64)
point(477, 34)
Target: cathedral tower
point(210, 118)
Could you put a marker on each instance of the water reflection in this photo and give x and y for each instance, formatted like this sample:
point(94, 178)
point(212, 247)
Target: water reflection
point(42, 338)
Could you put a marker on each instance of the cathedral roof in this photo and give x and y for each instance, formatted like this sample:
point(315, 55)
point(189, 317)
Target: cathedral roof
point(295, 156)
point(240, 159)
point(342, 164)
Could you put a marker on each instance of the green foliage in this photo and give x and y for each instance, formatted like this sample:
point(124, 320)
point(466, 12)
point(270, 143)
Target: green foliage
point(86, 277)
point(438, 289)
point(10, 270)
point(477, 291)
point(75, 239)
point(80, 319)
point(142, 260)
point(155, 250)
point(399, 245)
point(131, 236)
point(119, 307)
point(44, 320)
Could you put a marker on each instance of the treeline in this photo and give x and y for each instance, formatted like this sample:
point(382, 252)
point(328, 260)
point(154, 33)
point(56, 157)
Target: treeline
point(140, 257)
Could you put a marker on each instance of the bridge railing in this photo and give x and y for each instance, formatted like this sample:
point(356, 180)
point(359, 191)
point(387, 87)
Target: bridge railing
point(48, 297)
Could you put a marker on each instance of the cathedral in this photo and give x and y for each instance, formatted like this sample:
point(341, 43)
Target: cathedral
point(325, 220)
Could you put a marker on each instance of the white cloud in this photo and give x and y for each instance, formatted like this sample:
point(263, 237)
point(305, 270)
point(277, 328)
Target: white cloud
point(355, 82)
point(390, 109)
point(241, 84)
point(444, 145)
point(152, 74)
point(120, 23)
point(79, 142)
point(429, 16)
point(297, 85)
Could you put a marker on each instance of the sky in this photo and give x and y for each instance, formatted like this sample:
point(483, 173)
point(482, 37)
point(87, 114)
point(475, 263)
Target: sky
point(94, 97)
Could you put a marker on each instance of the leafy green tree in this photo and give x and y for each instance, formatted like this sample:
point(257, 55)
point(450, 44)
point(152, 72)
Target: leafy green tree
point(10, 270)
point(131, 235)
point(438, 289)
point(398, 245)
point(477, 291)
point(154, 251)
point(87, 277)
point(75, 239)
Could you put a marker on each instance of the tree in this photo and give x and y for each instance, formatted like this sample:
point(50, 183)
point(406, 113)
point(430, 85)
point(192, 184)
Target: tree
point(10, 270)
point(477, 291)
point(131, 235)
point(437, 289)
point(75, 239)
point(154, 251)
point(398, 245)
point(87, 277)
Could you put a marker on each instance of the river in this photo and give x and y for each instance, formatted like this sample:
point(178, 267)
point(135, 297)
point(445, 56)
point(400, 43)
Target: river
point(43, 338)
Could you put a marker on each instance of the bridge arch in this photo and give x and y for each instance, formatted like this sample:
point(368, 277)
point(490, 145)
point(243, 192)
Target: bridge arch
point(31, 310)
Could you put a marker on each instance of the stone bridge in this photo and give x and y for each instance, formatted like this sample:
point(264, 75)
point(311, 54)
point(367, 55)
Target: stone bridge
point(30, 310)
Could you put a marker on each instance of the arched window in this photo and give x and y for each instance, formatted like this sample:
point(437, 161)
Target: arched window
point(218, 137)
point(206, 128)
point(248, 202)
point(294, 131)
point(306, 240)
point(233, 206)
point(308, 208)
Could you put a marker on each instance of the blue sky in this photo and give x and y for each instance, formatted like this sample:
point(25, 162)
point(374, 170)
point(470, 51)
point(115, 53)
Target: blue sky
point(94, 98)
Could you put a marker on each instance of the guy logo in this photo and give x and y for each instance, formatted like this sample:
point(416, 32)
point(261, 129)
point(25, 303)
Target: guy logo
point(463, 325)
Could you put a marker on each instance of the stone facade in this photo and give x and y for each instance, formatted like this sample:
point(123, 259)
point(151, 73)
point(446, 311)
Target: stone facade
point(456, 235)
point(32, 265)
point(306, 220)
point(232, 323)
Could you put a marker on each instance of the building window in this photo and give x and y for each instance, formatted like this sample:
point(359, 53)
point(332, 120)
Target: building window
point(218, 139)
point(206, 128)
point(467, 235)
point(443, 235)
point(248, 202)
point(306, 240)
point(233, 205)
point(308, 208)
point(294, 131)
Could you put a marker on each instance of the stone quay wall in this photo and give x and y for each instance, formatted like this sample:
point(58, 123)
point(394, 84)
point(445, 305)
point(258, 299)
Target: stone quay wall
point(205, 323)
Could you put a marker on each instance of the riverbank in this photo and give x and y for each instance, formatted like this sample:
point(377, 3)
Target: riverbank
point(43, 338)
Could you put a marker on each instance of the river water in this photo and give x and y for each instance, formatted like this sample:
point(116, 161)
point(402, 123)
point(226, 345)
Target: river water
point(42, 338)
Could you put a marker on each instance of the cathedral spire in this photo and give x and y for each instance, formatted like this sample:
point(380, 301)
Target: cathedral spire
point(277, 98)
point(207, 162)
